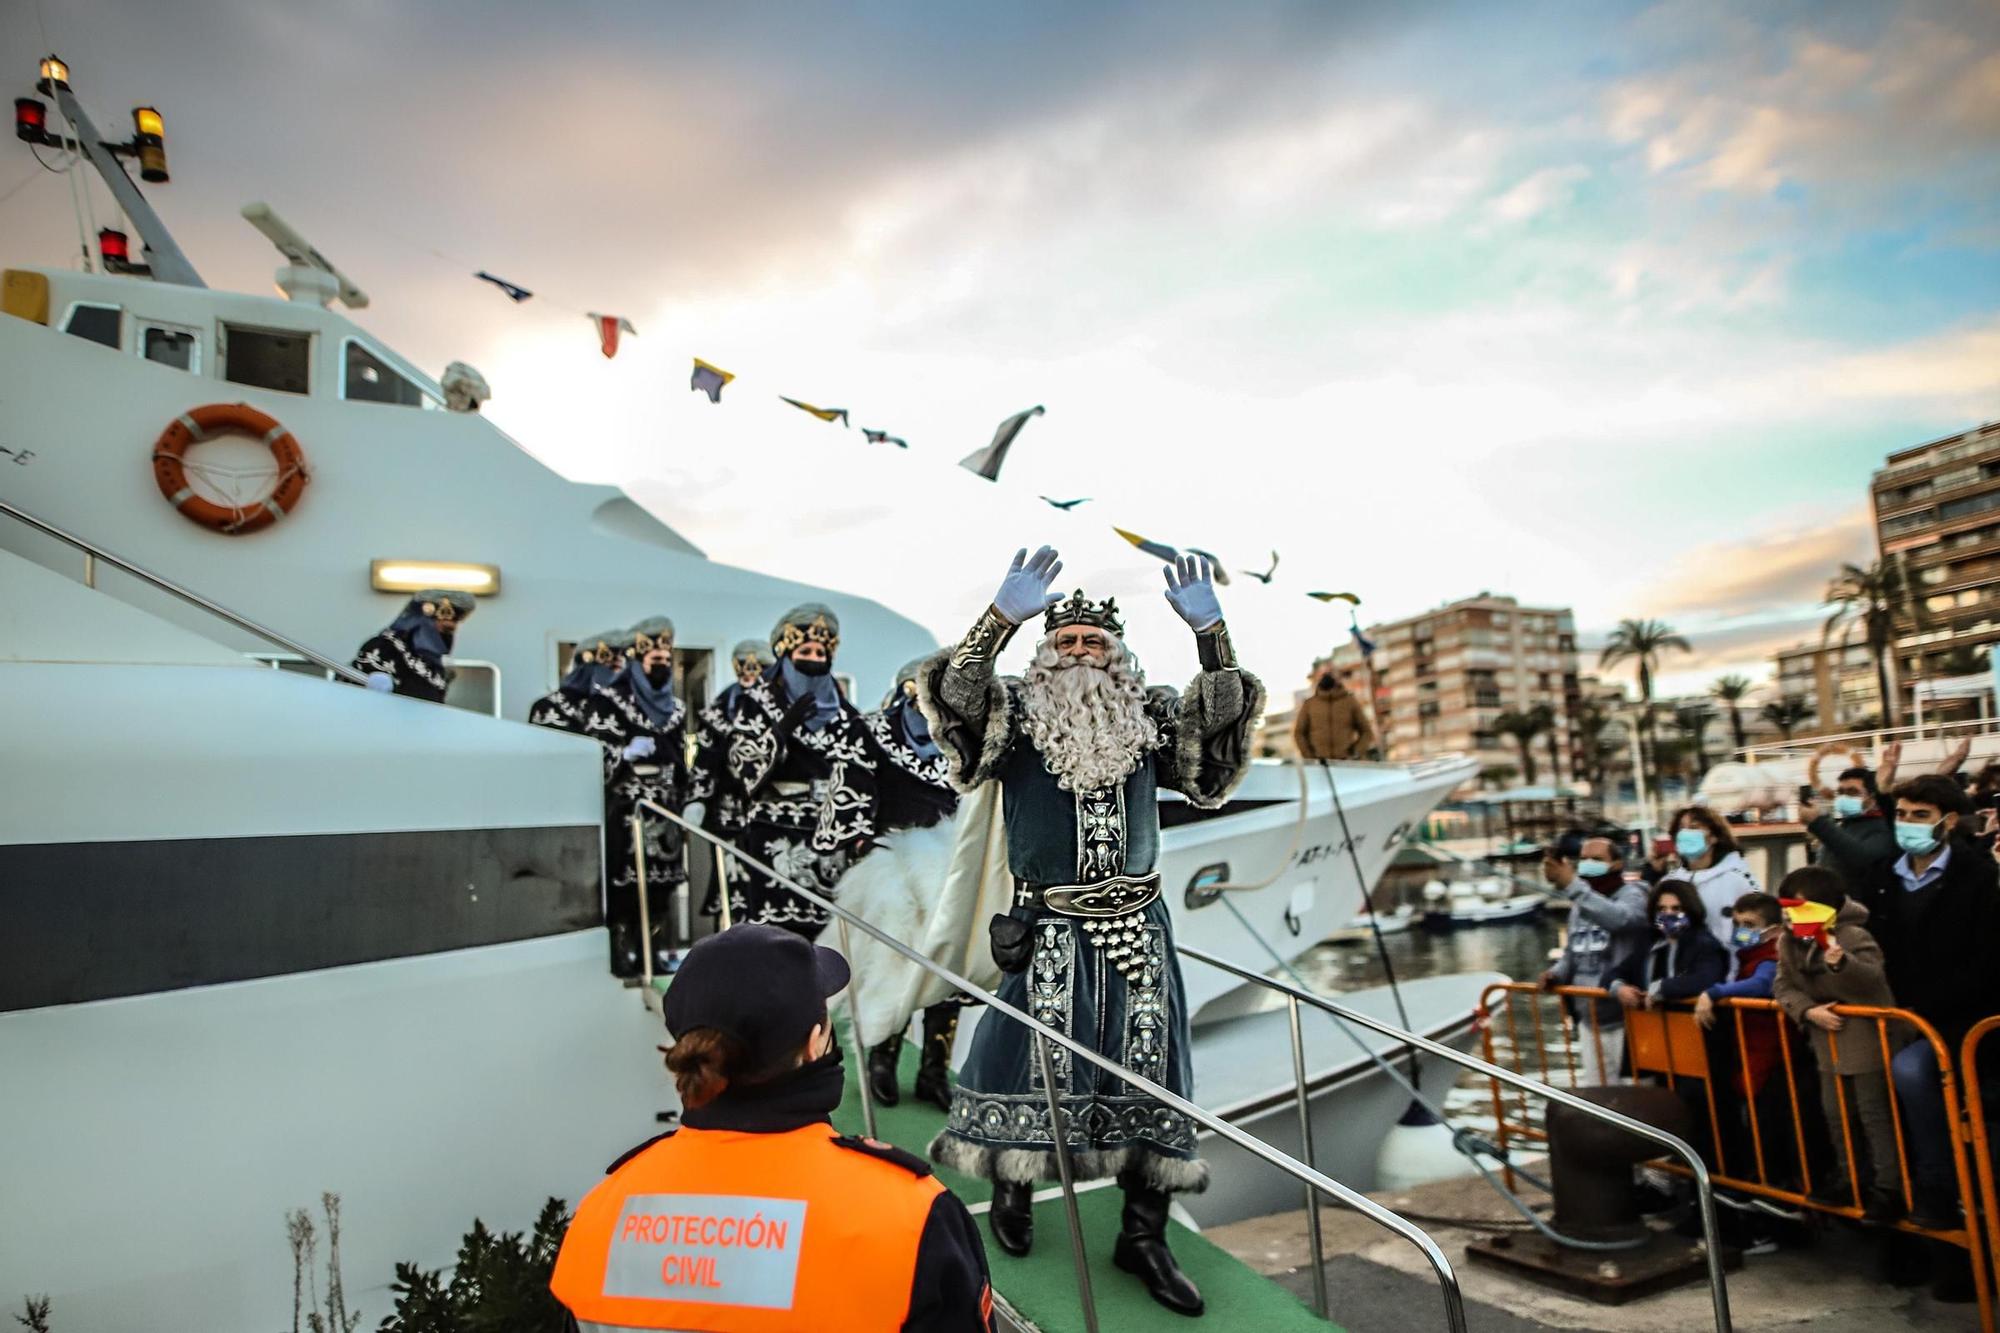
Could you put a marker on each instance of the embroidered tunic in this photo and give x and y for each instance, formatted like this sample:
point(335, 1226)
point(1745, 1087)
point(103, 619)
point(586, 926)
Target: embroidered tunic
point(613, 717)
point(805, 801)
point(1114, 985)
point(418, 674)
point(561, 710)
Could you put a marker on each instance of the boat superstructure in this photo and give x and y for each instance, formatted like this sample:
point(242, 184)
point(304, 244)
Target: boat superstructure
point(262, 935)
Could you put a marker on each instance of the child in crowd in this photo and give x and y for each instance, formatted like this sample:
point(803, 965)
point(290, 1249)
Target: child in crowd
point(1746, 1066)
point(1841, 963)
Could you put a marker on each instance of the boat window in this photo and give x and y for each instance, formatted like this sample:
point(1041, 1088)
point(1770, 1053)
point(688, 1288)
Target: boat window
point(174, 347)
point(367, 378)
point(475, 687)
point(267, 358)
point(99, 323)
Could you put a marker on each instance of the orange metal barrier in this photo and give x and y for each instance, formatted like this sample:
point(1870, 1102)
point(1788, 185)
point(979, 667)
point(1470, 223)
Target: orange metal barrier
point(1982, 1151)
point(1666, 1042)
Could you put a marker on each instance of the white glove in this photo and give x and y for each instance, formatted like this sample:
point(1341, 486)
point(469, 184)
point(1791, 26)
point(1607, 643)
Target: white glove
point(639, 747)
point(1191, 591)
point(1024, 593)
point(694, 812)
point(381, 682)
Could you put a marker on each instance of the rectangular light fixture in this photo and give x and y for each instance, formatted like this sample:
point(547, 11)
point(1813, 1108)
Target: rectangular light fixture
point(416, 575)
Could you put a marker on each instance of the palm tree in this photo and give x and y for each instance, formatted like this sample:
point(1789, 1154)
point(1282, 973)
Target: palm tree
point(1691, 720)
point(1496, 775)
point(1553, 734)
point(1731, 689)
point(1873, 597)
point(1787, 713)
point(1643, 641)
point(1524, 727)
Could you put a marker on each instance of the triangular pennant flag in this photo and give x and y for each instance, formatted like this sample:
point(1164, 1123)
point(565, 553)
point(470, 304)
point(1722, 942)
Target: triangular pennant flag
point(1347, 597)
point(1363, 642)
point(1158, 550)
point(515, 294)
point(883, 437)
point(608, 329)
point(1067, 505)
point(986, 462)
point(823, 413)
point(709, 380)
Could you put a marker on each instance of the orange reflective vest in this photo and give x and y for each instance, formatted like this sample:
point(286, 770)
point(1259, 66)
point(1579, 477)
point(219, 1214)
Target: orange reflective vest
point(716, 1229)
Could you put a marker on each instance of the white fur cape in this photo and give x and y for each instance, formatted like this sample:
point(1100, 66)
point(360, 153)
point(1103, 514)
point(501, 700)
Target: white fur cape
point(934, 889)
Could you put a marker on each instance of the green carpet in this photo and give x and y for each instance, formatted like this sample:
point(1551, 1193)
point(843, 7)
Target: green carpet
point(1042, 1287)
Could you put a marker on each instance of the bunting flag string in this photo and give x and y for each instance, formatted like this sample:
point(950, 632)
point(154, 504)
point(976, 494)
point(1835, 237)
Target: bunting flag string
point(709, 379)
point(514, 293)
point(987, 462)
point(608, 329)
point(823, 413)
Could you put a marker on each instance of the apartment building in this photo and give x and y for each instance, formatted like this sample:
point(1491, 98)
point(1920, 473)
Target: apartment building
point(1837, 680)
point(1937, 507)
point(1443, 678)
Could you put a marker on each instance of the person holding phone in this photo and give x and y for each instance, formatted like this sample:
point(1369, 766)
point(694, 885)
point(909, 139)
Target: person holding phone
point(1855, 839)
point(1607, 925)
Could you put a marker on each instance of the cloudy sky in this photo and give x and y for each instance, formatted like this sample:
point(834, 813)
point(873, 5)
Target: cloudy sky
point(1613, 307)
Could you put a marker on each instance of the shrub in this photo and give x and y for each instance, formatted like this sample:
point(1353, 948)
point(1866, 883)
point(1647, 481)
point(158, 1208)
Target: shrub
point(499, 1283)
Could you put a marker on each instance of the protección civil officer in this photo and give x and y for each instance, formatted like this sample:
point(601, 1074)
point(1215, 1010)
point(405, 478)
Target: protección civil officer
point(757, 1215)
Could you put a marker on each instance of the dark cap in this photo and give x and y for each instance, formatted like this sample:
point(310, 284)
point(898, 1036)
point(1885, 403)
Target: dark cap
point(762, 985)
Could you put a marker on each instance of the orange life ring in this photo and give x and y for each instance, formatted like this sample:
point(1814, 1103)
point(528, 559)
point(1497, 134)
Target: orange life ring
point(205, 423)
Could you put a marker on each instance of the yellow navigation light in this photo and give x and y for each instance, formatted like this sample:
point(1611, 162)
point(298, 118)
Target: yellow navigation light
point(54, 72)
point(149, 137)
point(416, 575)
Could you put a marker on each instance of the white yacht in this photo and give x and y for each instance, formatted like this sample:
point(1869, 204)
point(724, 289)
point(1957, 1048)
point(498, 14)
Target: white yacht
point(262, 935)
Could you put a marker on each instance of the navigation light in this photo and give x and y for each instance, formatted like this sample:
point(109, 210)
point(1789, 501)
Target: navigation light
point(116, 249)
point(149, 136)
point(31, 119)
point(55, 74)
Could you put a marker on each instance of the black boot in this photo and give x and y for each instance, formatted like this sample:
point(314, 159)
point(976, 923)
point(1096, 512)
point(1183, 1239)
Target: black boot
point(1012, 1218)
point(1142, 1250)
point(934, 1071)
point(882, 1060)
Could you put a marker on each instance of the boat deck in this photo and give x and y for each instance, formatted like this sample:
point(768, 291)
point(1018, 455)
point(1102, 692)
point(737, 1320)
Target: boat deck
point(1040, 1290)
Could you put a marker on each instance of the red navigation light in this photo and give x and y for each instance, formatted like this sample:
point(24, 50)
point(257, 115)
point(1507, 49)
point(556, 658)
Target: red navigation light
point(113, 245)
point(31, 119)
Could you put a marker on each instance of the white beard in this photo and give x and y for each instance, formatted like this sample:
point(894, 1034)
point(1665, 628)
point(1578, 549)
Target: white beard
point(1088, 719)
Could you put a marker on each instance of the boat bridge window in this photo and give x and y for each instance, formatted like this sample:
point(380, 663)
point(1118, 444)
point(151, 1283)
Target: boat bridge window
point(176, 347)
point(98, 323)
point(475, 685)
point(367, 378)
point(267, 358)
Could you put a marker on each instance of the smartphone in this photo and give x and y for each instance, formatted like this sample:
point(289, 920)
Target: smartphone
point(1805, 793)
point(1663, 847)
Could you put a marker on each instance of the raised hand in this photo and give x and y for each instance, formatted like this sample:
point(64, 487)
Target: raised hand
point(639, 747)
point(1024, 593)
point(1191, 591)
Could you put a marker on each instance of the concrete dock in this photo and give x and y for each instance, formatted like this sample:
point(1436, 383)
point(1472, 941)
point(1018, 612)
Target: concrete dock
point(1833, 1281)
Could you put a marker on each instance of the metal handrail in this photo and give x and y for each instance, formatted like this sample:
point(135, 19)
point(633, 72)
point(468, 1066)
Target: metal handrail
point(1454, 1301)
point(1704, 1191)
point(92, 551)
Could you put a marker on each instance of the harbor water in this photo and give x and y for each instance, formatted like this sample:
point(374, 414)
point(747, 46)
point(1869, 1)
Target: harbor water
point(1522, 951)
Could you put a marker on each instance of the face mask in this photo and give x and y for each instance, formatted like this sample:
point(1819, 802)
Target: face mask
point(1847, 807)
point(658, 674)
point(1691, 843)
point(811, 668)
point(1590, 869)
point(1920, 839)
point(1745, 937)
point(1671, 924)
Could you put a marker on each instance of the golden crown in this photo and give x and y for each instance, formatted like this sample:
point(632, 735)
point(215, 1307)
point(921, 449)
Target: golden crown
point(817, 630)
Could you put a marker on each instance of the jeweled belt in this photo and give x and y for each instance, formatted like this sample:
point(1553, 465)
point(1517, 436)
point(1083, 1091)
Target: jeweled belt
point(1101, 900)
point(1109, 910)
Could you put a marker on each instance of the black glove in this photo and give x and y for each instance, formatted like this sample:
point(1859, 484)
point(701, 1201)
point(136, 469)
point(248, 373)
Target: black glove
point(796, 715)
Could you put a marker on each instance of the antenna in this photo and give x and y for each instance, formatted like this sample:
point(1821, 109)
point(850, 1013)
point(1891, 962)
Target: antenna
point(300, 255)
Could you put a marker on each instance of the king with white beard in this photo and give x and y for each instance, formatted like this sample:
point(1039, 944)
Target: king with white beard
point(1080, 748)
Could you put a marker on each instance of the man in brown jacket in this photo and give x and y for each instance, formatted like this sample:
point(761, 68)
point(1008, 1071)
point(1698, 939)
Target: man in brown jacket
point(1332, 723)
point(1843, 965)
